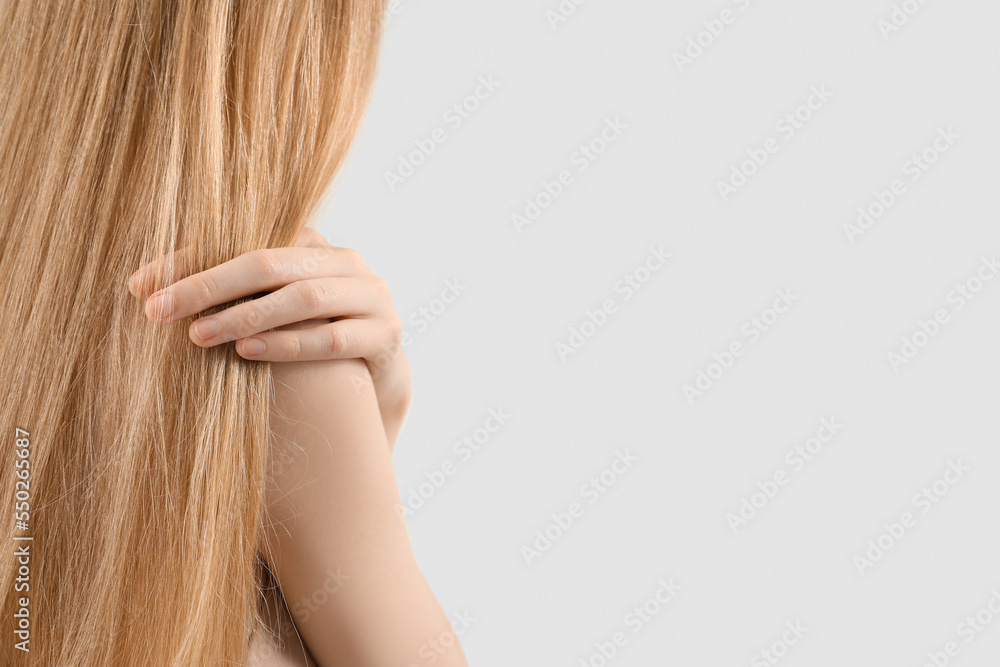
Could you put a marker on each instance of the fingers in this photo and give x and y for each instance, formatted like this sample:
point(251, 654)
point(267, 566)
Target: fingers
point(253, 272)
point(167, 270)
point(313, 281)
point(160, 273)
point(345, 339)
point(315, 299)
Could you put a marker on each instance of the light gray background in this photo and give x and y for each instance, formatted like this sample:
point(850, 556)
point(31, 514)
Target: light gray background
point(665, 518)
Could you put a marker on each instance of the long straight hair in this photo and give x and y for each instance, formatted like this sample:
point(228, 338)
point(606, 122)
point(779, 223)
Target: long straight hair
point(129, 131)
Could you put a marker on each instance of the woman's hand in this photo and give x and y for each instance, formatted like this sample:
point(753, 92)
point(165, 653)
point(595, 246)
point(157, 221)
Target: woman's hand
point(323, 303)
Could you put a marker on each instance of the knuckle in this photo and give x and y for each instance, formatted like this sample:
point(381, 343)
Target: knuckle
point(206, 288)
point(338, 342)
point(312, 293)
point(294, 348)
point(352, 257)
point(395, 330)
point(266, 263)
point(251, 320)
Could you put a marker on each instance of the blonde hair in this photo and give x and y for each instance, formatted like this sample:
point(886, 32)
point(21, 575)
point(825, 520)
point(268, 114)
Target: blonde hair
point(130, 131)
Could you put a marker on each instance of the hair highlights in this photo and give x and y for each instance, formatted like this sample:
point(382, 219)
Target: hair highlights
point(131, 131)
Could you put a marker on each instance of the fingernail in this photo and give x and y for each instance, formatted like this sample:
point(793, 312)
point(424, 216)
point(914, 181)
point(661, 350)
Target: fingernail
point(207, 327)
point(133, 284)
point(159, 308)
point(253, 347)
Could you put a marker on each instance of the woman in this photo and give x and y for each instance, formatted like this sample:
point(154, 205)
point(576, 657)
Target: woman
point(199, 449)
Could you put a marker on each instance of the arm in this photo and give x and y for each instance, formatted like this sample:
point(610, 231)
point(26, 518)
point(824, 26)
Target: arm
point(333, 502)
point(337, 546)
point(393, 389)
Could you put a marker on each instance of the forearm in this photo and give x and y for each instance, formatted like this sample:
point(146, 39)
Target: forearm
point(337, 535)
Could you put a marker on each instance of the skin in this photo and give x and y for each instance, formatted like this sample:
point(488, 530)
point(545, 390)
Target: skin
point(336, 542)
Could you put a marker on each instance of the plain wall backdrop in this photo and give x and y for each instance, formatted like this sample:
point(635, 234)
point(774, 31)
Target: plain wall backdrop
point(826, 489)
